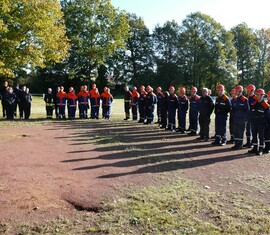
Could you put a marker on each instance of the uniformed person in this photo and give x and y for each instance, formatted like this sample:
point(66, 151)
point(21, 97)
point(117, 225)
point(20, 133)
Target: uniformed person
point(160, 102)
point(259, 114)
point(134, 103)
point(83, 99)
point(107, 100)
point(222, 108)
point(4, 93)
point(193, 111)
point(93, 90)
point(267, 129)
point(172, 107)
point(142, 108)
point(17, 92)
point(61, 103)
point(233, 99)
point(240, 111)
point(182, 110)
point(28, 103)
point(251, 99)
point(151, 100)
point(95, 104)
point(56, 107)
point(206, 107)
point(164, 110)
point(127, 100)
point(72, 103)
point(49, 100)
point(10, 103)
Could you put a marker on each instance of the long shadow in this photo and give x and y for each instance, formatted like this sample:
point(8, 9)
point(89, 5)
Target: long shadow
point(172, 166)
point(154, 159)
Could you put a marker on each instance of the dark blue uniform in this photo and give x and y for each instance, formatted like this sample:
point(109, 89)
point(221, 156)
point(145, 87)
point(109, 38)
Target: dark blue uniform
point(142, 110)
point(160, 103)
point(151, 100)
point(182, 112)
point(193, 113)
point(10, 105)
point(251, 100)
point(172, 106)
point(222, 108)
point(127, 100)
point(259, 117)
point(231, 120)
point(240, 111)
point(206, 107)
point(164, 111)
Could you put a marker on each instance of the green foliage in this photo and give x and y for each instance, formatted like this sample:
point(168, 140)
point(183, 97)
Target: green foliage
point(32, 33)
point(96, 30)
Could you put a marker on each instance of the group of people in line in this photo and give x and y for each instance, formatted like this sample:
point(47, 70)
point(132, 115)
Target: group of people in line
point(15, 99)
point(60, 101)
point(250, 114)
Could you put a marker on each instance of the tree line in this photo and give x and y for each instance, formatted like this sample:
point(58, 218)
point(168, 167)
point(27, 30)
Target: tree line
point(74, 42)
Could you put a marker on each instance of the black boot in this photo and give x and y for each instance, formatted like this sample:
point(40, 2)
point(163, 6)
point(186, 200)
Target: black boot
point(260, 152)
point(253, 150)
point(249, 143)
point(266, 150)
point(231, 141)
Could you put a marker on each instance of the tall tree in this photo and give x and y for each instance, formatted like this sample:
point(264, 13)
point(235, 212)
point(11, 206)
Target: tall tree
point(263, 61)
point(136, 63)
point(207, 55)
point(32, 33)
point(96, 30)
point(166, 40)
point(247, 53)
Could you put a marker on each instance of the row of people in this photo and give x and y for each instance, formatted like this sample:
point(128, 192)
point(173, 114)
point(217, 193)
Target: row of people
point(15, 99)
point(249, 113)
point(71, 100)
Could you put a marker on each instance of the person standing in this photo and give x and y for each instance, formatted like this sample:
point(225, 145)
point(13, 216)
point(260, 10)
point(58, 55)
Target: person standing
point(83, 98)
point(56, 106)
point(4, 93)
point(160, 102)
point(251, 99)
point(10, 103)
point(22, 102)
point(193, 111)
point(240, 111)
point(61, 103)
point(72, 103)
point(222, 108)
point(127, 100)
point(172, 107)
point(17, 92)
point(206, 107)
point(142, 103)
point(49, 100)
point(164, 110)
point(182, 110)
point(267, 130)
point(151, 100)
point(134, 103)
point(93, 90)
point(107, 100)
point(28, 102)
point(233, 99)
point(259, 118)
point(95, 104)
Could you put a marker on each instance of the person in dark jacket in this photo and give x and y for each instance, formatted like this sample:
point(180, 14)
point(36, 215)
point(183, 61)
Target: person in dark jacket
point(182, 110)
point(142, 102)
point(151, 100)
point(22, 102)
point(222, 108)
point(193, 111)
point(127, 100)
point(267, 129)
point(49, 100)
point(160, 101)
point(134, 103)
point(233, 99)
point(28, 102)
point(17, 92)
point(259, 115)
point(206, 107)
point(10, 103)
point(56, 107)
point(172, 107)
point(164, 110)
point(240, 110)
point(3, 93)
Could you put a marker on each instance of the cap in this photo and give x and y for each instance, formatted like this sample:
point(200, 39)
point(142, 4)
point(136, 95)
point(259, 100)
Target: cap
point(182, 90)
point(194, 89)
point(260, 92)
point(220, 87)
point(239, 88)
point(251, 87)
point(171, 88)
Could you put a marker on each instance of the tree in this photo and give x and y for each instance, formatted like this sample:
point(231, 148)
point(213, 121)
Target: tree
point(206, 52)
point(96, 30)
point(263, 61)
point(247, 53)
point(135, 64)
point(32, 33)
point(166, 40)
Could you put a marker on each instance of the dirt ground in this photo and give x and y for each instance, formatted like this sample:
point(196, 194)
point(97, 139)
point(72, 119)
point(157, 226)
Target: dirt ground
point(59, 168)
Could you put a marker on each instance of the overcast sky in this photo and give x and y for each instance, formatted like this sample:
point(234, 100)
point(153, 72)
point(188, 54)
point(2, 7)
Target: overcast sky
point(256, 13)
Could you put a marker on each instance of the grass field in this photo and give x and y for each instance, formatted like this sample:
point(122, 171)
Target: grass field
point(178, 207)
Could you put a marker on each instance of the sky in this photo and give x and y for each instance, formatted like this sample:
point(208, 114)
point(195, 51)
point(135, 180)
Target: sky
point(229, 13)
